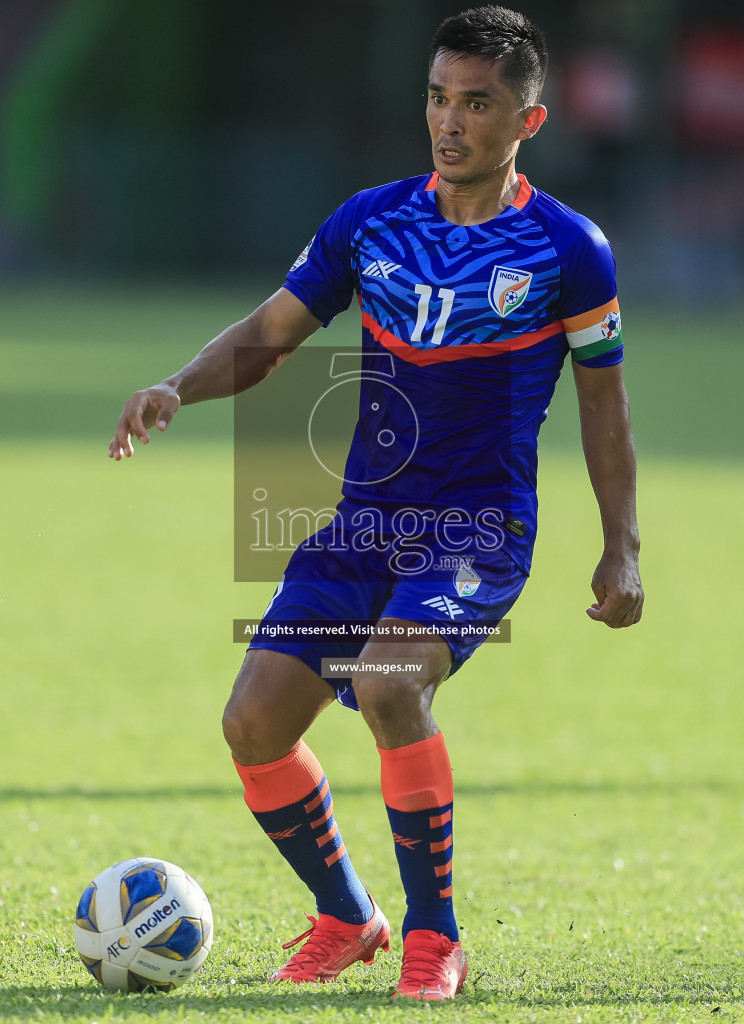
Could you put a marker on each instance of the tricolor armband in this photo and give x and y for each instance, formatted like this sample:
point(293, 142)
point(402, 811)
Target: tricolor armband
point(594, 333)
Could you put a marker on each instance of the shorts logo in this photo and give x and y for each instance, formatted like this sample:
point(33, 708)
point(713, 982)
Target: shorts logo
point(610, 326)
point(466, 579)
point(508, 289)
point(443, 604)
point(302, 258)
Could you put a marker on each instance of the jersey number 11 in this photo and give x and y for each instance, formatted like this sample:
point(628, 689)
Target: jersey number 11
point(447, 296)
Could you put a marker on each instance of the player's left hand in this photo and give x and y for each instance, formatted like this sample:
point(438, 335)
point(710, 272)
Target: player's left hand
point(617, 586)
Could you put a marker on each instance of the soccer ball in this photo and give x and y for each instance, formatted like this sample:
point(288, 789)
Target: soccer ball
point(143, 924)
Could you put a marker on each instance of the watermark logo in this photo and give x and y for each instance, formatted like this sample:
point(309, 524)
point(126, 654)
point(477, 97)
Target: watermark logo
point(337, 420)
point(410, 538)
point(388, 425)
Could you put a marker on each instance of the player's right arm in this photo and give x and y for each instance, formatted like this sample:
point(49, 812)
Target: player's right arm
point(266, 337)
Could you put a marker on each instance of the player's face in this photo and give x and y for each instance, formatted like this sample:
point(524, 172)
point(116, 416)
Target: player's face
point(475, 120)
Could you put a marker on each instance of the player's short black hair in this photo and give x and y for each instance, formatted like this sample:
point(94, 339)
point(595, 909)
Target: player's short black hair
point(502, 35)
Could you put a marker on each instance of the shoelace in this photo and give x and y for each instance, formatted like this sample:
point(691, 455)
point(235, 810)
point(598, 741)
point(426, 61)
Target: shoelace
point(316, 944)
point(293, 942)
point(417, 963)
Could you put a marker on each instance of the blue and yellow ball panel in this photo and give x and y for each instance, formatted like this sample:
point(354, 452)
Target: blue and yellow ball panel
point(140, 887)
point(180, 941)
point(94, 967)
point(85, 915)
point(136, 983)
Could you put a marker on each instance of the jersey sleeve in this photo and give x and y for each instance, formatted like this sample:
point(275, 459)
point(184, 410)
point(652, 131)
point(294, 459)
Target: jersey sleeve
point(588, 305)
point(322, 276)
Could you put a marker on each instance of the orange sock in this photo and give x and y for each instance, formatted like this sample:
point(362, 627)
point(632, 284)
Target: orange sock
point(278, 783)
point(418, 791)
point(291, 800)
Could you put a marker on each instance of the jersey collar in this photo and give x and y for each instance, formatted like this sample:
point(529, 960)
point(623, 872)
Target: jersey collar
point(520, 200)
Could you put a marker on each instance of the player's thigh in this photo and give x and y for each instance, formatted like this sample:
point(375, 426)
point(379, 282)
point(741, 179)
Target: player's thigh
point(402, 667)
point(274, 700)
point(419, 656)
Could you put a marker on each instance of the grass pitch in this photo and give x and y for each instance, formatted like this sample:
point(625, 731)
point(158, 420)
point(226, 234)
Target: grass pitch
point(599, 788)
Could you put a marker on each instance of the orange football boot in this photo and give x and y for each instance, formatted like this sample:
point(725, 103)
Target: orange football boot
point(434, 967)
point(332, 946)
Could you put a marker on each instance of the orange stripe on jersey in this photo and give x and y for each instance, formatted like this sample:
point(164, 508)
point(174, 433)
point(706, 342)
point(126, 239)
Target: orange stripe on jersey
point(333, 831)
point(318, 799)
point(525, 193)
point(432, 182)
point(444, 894)
point(443, 869)
point(594, 316)
point(336, 855)
point(437, 820)
point(425, 357)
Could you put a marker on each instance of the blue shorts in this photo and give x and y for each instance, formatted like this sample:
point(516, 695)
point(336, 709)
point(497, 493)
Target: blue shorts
point(323, 584)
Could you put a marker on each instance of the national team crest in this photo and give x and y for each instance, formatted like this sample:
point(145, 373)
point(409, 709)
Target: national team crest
point(508, 289)
point(466, 579)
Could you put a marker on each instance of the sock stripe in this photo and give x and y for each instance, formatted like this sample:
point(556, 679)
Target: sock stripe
point(336, 855)
point(438, 820)
point(440, 847)
point(440, 870)
point(313, 804)
point(322, 820)
point(445, 894)
point(328, 836)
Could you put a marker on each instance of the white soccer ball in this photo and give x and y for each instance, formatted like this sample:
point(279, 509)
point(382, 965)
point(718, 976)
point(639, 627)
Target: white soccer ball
point(143, 924)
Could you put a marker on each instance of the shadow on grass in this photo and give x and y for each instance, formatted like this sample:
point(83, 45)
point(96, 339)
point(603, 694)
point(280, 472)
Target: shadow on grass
point(32, 1003)
point(536, 787)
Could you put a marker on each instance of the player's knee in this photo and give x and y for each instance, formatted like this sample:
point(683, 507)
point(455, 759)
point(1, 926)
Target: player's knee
point(233, 728)
point(254, 734)
point(242, 731)
point(386, 700)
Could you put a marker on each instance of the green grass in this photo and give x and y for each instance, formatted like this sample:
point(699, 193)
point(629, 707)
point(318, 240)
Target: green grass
point(599, 820)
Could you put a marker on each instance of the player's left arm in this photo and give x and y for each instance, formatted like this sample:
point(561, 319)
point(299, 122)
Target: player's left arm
point(611, 462)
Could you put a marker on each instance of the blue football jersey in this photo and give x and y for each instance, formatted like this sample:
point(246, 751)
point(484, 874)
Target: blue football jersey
point(475, 323)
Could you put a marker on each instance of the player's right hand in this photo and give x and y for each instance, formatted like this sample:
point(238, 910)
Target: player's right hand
point(153, 407)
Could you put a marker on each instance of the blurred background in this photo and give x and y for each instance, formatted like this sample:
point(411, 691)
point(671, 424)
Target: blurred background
point(184, 139)
point(162, 162)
